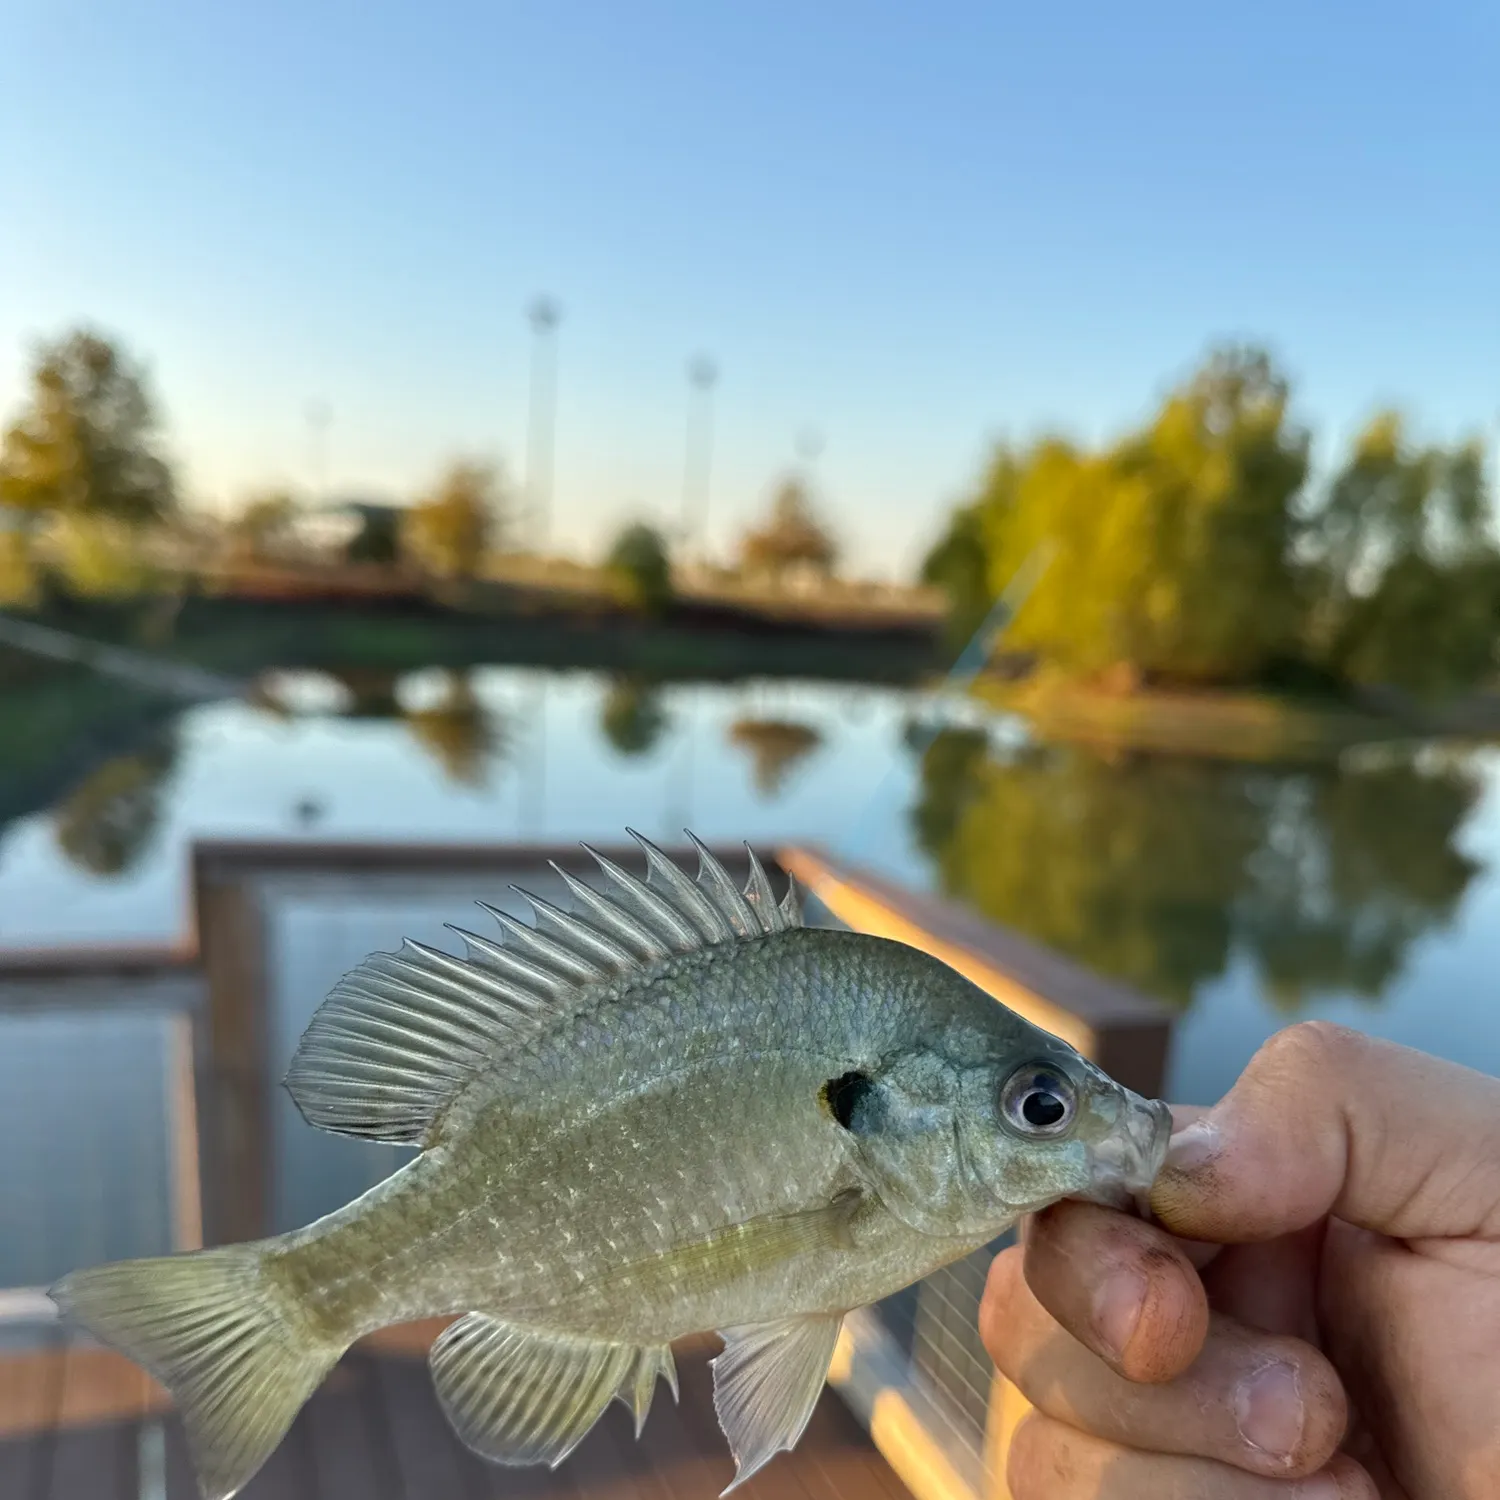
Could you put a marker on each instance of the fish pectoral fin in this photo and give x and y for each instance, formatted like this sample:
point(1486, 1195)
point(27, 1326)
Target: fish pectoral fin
point(766, 1383)
point(525, 1396)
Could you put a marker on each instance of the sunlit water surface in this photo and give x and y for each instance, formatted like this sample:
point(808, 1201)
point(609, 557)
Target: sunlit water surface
point(1247, 897)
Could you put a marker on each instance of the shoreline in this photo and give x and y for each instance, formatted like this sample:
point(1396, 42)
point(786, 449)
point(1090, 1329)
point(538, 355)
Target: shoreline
point(1235, 724)
point(244, 635)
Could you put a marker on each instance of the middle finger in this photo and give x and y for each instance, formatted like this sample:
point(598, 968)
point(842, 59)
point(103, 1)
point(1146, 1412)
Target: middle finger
point(1264, 1404)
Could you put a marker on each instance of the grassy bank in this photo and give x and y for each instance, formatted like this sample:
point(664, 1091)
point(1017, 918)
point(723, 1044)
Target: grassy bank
point(58, 723)
point(1232, 725)
point(244, 636)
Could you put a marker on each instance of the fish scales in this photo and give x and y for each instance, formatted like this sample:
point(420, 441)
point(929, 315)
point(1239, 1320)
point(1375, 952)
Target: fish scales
point(674, 1109)
point(557, 1170)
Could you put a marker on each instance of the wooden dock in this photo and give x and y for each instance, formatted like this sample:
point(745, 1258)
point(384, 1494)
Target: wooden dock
point(79, 1423)
point(909, 1381)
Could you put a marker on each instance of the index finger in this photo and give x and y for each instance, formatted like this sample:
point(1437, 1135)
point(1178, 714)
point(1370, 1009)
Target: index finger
point(1328, 1121)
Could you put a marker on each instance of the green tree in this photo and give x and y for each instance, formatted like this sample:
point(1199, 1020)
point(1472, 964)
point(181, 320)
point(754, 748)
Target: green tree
point(20, 578)
point(1403, 566)
point(378, 539)
point(86, 442)
point(640, 569)
point(1172, 548)
point(101, 557)
point(263, 524)
point(792, 536)
point(448, 532)
point(959, 565)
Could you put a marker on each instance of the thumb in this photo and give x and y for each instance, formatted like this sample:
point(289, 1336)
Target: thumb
point(1327, 1121)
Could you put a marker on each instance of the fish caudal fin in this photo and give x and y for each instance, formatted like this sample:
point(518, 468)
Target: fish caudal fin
point(227, 1345)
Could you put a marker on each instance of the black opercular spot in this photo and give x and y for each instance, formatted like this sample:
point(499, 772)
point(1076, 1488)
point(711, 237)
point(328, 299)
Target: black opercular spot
point(845, 1094)
point(1043, 1109)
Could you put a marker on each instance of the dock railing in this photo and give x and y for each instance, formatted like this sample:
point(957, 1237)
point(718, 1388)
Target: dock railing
point(912, 1369)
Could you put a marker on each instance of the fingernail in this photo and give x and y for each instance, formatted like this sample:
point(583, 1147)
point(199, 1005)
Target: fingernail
point(1189, 1149)
point(1268, 1411)
point(1117, 1309)
point(1318, 1487)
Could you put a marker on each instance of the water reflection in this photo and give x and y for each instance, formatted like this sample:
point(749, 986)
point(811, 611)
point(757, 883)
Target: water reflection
point(459, 732)
point(369, 692)
point(632, 716)
point(1355, 868)
point(776, 747)
point(1158, 870)
point(111, 818)
point(1242, 889)
point(444, 714)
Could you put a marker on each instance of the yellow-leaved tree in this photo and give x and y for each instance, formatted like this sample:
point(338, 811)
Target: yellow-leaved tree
point(449, 531)
point(1172, 548)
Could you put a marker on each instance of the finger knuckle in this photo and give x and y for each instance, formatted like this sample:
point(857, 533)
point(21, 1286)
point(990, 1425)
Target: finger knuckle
point(1037, 1466)
point(1308, 1049)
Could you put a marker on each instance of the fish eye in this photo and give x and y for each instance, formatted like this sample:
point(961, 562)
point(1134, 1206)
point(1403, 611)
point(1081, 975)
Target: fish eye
point(1038, 1101)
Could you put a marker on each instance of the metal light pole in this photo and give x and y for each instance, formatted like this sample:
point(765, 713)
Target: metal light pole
point(319, 419)
point(810, 444)
point(698, 455)
point(544, 315)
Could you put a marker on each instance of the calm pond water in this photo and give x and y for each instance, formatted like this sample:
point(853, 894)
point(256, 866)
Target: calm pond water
point(1367, 892)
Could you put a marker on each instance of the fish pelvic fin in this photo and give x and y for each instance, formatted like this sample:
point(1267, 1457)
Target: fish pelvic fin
point(226, 1342)
point(523, 1396)
point(767, 1382)
point(401, 1034)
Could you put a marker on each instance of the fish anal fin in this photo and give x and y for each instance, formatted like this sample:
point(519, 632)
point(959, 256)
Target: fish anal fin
point(401, 1034)
point(767, 1382)
point(652, 1363)
point(519, 1395)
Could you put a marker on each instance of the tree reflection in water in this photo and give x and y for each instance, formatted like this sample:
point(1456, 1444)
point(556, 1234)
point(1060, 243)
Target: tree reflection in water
point(371, 692)
point(776, 747)
point(1158, 870)
point(110, 819)
point(632, 717)
point(1358, 864)
point(459, 732)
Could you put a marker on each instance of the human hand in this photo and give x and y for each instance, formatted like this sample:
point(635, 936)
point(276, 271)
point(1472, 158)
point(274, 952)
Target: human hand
point(1322, 1319)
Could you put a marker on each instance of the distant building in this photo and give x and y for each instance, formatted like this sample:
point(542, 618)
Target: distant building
point(352, 530)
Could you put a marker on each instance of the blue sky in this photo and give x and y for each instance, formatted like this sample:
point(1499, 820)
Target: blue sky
point(911, 227)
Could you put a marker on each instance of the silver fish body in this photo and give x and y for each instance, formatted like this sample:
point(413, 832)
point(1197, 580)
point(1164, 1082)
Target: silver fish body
point(672, 1110)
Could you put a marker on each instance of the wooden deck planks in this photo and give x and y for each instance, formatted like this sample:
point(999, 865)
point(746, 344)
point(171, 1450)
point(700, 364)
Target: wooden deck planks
point(375, 1432)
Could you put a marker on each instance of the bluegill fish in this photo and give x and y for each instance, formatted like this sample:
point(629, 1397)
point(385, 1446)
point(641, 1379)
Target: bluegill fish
point(673, 1109)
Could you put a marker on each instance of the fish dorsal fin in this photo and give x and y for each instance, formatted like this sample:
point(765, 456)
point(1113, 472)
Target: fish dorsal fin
point(522, 1396)
point(766, 1383)
point(401, 1033)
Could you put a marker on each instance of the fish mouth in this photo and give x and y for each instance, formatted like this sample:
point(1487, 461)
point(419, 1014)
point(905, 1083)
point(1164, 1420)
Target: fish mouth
point(1125, 1163)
